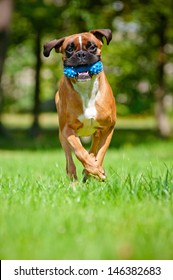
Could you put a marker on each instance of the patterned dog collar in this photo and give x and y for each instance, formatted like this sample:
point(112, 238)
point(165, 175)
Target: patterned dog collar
point(93, 69)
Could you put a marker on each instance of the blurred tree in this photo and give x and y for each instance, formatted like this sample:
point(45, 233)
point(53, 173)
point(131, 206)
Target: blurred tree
point(5, 19)
point(135, 61)
point(153, 22)
point(38, 18)
point(157, 30)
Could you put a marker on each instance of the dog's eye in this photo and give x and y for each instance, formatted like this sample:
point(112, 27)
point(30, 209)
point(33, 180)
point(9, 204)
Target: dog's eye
point(91, 47)
point(69, 49)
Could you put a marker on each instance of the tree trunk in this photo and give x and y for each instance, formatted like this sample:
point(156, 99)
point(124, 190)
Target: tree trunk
point(163, 125)
point(5, 18)
point(36, 110)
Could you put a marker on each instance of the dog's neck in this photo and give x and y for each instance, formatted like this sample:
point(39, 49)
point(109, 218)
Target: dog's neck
point(87, 90)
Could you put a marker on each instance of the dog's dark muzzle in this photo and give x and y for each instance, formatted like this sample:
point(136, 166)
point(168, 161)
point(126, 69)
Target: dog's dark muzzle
point(81, 58)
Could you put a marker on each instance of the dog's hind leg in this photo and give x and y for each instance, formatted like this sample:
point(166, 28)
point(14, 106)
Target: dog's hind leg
point(95, 143)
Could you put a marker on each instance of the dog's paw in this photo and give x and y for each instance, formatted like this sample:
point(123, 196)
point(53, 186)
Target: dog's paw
point(101, 173)
point(97, 173)
point(91, 167)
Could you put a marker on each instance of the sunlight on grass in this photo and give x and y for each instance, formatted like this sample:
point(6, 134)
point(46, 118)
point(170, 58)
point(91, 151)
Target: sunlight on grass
point(50, 120)
point(127, 217)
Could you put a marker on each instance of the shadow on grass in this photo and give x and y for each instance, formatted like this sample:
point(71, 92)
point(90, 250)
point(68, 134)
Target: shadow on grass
point(47, 139)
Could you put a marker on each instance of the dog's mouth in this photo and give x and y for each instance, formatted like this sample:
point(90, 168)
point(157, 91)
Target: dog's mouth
point(83, 76)
point(83, 73)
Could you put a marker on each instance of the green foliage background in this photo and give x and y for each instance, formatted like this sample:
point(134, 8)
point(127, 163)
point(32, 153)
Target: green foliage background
point(130, 60)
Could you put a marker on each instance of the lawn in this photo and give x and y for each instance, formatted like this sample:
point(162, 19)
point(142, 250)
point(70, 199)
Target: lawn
point(129, 216)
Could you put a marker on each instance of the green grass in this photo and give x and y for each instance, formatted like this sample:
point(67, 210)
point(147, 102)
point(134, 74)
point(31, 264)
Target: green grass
point(130, 216)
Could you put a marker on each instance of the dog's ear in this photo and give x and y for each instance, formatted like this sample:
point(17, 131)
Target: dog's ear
point(52, 44)
point(100, 33)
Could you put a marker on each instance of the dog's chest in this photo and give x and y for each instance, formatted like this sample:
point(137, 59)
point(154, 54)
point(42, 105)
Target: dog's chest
point(89, 92)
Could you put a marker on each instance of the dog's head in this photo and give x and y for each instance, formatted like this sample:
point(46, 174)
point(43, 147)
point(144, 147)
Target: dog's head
point(80, 49)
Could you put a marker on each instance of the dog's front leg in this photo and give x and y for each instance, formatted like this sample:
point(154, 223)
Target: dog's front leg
point(100, 143)
point(104, 141)
point(89, 162)
point(70, 166)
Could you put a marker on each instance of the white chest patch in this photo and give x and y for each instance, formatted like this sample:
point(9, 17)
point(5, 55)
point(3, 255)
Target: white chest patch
point(89, 93)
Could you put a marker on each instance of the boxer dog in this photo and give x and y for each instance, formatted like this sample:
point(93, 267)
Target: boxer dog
point(84, 101)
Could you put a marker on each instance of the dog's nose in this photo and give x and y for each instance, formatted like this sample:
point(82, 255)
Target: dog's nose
point(81, 55)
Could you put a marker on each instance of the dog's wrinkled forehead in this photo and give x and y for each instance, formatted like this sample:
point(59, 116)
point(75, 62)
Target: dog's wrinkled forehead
point(80, 41)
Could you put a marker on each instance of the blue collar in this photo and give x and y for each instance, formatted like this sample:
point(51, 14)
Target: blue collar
point(93, 69)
